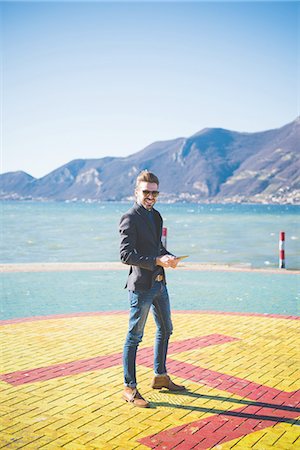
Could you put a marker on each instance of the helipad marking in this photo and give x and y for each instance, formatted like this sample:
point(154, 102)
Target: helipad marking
point(267, 406)
point(270, 406)
point(145, 357)
point(224, 426)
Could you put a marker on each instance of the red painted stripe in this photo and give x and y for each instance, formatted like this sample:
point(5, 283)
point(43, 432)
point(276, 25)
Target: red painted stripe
point(222, 427)
point(218, 380)
point(103, 313)
point(199, 342)
point(207, 433)
point(61, 370)
point(145, 357)
point(270, 407)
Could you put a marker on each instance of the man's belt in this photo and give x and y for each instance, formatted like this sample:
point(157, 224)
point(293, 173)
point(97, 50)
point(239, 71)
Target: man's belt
point(159, 278)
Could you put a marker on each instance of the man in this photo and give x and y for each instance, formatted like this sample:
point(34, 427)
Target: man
point(142, 249)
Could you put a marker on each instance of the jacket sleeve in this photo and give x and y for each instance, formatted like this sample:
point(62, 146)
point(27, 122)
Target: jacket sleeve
point(128, 252)
point(163, 250)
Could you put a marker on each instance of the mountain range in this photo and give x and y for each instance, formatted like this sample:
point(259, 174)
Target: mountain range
point(213, 165)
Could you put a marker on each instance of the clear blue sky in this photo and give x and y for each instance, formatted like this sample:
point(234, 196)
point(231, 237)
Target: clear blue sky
point(88, 80)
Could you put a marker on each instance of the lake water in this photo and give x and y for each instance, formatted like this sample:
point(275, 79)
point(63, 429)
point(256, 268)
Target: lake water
point(222, 234)
point(35, 294)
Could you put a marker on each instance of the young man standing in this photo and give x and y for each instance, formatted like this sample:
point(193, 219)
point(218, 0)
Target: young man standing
point(142, 249)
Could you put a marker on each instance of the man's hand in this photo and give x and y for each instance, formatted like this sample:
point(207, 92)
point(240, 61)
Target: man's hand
point(167, 261)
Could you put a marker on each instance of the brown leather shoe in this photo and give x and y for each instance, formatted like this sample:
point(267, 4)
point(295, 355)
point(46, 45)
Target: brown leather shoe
point(132, 395)
point(164, 381)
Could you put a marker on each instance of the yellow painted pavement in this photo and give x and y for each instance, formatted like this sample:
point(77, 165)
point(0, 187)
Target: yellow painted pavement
point(85, 410)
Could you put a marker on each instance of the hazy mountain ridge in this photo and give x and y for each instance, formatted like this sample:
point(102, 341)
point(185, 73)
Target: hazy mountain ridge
point(213, 165)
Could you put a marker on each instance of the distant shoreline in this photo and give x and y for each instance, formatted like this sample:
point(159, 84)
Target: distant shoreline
point(164, 201)
point(104, 266)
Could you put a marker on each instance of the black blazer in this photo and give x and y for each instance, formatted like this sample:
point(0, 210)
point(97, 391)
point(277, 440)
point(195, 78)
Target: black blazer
point(140, 246)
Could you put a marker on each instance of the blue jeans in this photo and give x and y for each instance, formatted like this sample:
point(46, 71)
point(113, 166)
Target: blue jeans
point(140, 304)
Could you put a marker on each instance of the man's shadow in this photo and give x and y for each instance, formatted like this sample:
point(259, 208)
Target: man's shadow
point(240, 402)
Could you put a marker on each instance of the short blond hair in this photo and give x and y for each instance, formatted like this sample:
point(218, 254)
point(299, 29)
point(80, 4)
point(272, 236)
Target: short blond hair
point(147, 176)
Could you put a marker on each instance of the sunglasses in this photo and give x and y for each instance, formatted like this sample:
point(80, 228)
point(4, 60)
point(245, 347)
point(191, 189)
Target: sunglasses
point(154, 193)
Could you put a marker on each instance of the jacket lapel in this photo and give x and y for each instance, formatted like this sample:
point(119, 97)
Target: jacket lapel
point(143, 213)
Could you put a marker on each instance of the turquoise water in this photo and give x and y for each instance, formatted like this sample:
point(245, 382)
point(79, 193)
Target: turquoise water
point(61, 232)
point(223, 234)
point(31, 294)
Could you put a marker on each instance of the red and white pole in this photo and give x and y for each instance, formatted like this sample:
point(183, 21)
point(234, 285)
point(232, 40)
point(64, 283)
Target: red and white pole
point(164, 237)
point(281, 250)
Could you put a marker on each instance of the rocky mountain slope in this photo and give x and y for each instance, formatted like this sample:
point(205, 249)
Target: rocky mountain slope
point(213, 165)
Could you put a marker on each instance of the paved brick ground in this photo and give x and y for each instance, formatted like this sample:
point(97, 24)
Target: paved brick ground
point(62, 381)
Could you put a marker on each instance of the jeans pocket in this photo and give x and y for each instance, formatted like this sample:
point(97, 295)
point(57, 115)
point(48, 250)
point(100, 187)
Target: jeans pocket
point(138, 298)
point(133, 298)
